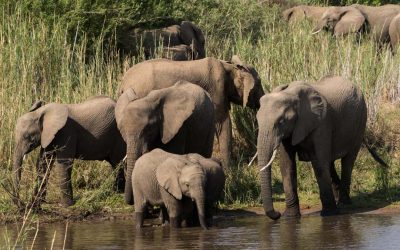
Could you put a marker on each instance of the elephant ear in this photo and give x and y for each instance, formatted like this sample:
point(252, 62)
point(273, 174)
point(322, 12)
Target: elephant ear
point(37, 105)
point(53, 118)
point(128, 96)
point(193, 36)
point(350, 21)
point(243, 77)
point(167, 175)
point(177, 107)
point(311, 111)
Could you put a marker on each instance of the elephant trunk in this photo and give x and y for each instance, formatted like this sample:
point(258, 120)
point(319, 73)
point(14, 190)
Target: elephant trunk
point(199, 198)
point(17, 166)
point(266, 146)
point(133, 153)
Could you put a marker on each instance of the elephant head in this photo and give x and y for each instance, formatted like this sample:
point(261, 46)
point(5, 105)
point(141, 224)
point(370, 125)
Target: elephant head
point(181, 179)
point(341, 20)
point(192, 36)
point(289, 113)
point(150, 122)
point(37, 127)
point(246, 89)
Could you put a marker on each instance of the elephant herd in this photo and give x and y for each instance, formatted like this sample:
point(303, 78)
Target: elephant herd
point(162, 127)
point(382, 22)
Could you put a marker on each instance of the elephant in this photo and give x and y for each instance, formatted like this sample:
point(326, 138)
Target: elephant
point(355, 18)
point(320, 122)
point(171, 180)
point(341, 20)
point(394, 33)
point(226, 81)
point(301, 12)
point(178, 119)
point(65, 132)
point(186, 33)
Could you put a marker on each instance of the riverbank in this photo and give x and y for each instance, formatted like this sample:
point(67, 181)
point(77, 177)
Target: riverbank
point(53, 213)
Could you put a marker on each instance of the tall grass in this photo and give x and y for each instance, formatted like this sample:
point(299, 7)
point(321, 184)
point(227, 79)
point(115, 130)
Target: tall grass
point(38, 62)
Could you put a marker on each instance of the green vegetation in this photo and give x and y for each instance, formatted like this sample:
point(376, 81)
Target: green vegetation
point(64, 52)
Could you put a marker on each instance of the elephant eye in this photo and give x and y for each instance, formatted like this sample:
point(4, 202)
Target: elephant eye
point(187, 184)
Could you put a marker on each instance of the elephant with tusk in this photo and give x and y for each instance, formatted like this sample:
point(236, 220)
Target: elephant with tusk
point(320, 123)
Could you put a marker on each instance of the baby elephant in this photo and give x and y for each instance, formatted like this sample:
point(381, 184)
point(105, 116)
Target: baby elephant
point(173, 181)
point(65, 132)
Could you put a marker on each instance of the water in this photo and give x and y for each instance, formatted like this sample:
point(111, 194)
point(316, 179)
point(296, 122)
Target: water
point(255, 232)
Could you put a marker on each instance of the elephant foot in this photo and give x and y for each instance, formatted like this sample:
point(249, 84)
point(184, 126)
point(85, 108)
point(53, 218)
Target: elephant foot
point(293, 212)
point(330, 212)
point(273, 214)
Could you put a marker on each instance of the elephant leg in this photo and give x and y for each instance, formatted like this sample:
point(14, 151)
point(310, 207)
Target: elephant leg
point(43, 167)
point(164, 218)
point(289, 177)
point(174, 208)
point(225, 141)
point(324, 180)
point(335, 181)
point(140, 209)
point(347, 168)
point(65, 169)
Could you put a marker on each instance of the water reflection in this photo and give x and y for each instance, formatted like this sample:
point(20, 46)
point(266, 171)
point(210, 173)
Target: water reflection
point(309, 232)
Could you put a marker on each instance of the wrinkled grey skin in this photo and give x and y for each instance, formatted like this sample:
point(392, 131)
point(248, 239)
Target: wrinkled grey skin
point(298, 13)
point(178, 119)
point(184, 34)
point(394, 33)
point(379, 19)
point(319, 122)
point(65, 132)
point(341, 20)
point(170, 180)
point(227, 82)
point(178, 53)
point(350, 19)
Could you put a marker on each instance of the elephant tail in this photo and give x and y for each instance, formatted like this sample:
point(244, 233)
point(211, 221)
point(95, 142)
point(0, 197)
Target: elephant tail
point(375, 155)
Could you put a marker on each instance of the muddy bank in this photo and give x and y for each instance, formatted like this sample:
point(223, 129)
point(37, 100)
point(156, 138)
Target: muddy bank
point(62, 214)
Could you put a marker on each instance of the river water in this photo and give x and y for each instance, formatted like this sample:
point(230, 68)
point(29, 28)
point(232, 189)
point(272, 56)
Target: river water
point(253, 232)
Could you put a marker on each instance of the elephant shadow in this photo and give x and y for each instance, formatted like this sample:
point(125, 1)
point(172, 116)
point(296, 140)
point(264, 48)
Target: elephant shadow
point(364, 202)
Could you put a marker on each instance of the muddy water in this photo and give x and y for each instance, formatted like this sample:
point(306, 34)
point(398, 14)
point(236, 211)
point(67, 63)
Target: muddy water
point(255, 232)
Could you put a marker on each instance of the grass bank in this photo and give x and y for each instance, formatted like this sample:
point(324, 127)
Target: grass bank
point(37, 61)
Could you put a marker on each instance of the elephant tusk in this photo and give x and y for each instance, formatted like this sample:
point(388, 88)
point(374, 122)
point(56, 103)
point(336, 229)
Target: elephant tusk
point(315, 32)
point(124, 160)
point(270, 161)
point(252, 159)
point(23, 158)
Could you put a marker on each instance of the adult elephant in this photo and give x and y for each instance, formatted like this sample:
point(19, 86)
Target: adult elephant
point(301, 12)
point(350, 19)
point(65, 132)
point(394, 33)
point(185, 33)
point(226, 82)
point(319, 122)
point(341, 20)
point(178, 119)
